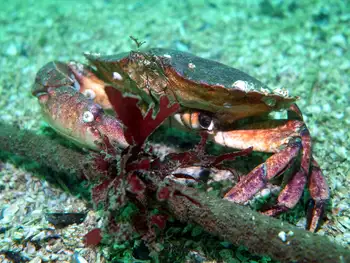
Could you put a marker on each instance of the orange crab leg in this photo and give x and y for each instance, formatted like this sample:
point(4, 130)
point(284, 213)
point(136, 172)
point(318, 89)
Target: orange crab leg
point(286, 139)
point(262, 139)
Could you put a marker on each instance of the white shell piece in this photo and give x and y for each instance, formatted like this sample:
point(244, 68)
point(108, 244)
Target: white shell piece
point(227, 105)
point(281, 91)
point(241, 85)
point(283, 236)
point(88, 116)
point(264, 91)
point(117, 76)
point(191, 65)
point(290, 233)
point(89, 93)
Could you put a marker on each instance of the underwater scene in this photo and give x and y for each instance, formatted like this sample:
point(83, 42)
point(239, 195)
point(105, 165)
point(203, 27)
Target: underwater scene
point(174, 131)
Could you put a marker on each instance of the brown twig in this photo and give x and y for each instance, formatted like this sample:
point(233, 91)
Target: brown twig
point(231, 222)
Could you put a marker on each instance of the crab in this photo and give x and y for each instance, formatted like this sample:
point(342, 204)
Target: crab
point(227, 103)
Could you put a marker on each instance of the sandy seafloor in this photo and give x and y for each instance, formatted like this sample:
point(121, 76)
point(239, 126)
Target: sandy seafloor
point(302, 46)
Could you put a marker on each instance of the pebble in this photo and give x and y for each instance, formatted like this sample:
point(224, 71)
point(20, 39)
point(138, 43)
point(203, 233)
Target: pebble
point(76, 258)
point(11, 50)
point(339, 40)
point(30, 248)
point(8, 213)
point(18, 236)
point(36, 260)
point(65, 219)
point(39, 236)
point(57, 246)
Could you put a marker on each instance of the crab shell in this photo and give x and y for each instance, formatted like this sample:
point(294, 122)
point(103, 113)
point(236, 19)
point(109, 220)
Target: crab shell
point(195, 83)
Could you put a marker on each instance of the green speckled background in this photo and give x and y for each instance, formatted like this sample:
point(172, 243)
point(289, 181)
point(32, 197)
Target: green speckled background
point(302, 46)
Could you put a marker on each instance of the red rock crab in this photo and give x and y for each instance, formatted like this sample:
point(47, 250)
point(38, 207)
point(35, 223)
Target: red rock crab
point(226, 102)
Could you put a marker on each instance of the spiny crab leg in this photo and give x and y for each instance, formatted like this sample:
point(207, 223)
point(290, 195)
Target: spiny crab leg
point(73, 114)
point(286, 139)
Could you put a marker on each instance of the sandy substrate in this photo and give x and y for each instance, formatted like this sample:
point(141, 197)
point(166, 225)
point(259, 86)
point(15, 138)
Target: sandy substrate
point(302, 46)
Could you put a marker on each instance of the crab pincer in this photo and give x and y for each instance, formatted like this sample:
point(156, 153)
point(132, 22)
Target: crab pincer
point(71, 113)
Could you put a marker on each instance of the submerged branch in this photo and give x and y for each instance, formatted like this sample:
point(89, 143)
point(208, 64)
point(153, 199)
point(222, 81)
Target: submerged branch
point(44, 150)
point(259, 233)
point(237, 224)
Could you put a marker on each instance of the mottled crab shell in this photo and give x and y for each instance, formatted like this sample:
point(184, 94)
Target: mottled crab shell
point(195, 83)
point(53, 74)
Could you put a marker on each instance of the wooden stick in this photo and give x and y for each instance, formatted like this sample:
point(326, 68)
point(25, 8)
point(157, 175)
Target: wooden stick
point(231, 222)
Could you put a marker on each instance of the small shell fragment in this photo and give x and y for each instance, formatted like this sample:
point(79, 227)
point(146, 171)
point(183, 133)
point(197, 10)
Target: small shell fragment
point(264, 91)
point(227, 105)
point(117, 76)
point(281, 91)
point(167, 56)
point(191, 65)
point(89, 93)
point(241, 85)
point(283, 236)
point(88, 116)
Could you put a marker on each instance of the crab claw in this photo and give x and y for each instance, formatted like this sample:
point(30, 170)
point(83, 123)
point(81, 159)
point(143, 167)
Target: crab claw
point(54, 74)
point(78, 76)
point(80, 119)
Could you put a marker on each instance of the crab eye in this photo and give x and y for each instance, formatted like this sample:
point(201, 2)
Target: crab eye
point(205, 121)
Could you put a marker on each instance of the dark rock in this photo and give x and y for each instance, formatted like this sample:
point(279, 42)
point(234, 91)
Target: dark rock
point(65, 219)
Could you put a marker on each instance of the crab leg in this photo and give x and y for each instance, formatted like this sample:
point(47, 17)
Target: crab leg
point(317, 184)
point(319, 192)
point(264, 138)
point(286, 139)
